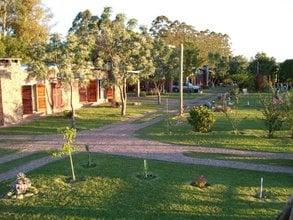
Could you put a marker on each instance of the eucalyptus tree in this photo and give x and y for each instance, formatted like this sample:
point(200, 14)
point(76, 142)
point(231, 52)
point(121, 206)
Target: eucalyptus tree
point(22, 23)
point(44, 56)
point(262, 65)
point(175, 33)
point(238, 65)
point(286, 70)
point(122, 48)
point(219, 66)
point(165, 61)
point(74, 66)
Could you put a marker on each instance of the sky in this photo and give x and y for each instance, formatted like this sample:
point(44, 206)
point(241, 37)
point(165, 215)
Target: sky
point(252, 25)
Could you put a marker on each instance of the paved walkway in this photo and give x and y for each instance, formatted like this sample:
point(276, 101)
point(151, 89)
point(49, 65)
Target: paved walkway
point(118, 139)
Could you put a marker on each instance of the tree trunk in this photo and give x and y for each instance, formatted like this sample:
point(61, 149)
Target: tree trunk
point(159, 98)
point(72, 167)
point(123, 96)
point(4, 20)
point(138, 88)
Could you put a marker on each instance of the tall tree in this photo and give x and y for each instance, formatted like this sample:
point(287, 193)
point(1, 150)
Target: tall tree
point(165, 61)
point(286, 70)
point(125, 50)
point(238, 65)
point(263, 65)
point(74, 66)
point(22, 23)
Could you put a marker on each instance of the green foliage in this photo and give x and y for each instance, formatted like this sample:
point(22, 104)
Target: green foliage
point(263, 64)
point(286, 70)
point(69, 135)
point(243, 80)
point(274, 109)
point(238, 65)
point(122, 50)
point(289, 111)
point(250, 124)
point(201, 118)
point(22, 24)
point(232, 115)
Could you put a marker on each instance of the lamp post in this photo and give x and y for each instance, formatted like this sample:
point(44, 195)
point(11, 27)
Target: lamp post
point(181, 80)
point(181, 110)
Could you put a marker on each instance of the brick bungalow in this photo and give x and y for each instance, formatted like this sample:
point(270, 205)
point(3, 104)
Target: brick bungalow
point(22, 96)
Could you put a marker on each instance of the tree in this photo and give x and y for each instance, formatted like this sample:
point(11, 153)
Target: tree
point(238, 65)
point(124, 50)
point(163, 58)
point(286, 70)
point(43, 56)
point(262, 65)
point(275, 111)
point(197, 44)
point(73, 66)
point(218, 66)
point(22, 23)
point(69, 135)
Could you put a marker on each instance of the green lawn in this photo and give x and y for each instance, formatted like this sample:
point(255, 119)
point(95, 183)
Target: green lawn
point(251, 126)
point(87, 118)
point(111, 190)
point(18, 162)
point(5, 151)
point(247, 159)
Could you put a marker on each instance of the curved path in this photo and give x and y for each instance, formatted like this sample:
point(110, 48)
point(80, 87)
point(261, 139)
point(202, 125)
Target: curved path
point(118, 139)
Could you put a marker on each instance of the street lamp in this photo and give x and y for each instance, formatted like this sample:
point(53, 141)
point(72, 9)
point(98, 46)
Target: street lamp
point(181, 109)
point(181, 79)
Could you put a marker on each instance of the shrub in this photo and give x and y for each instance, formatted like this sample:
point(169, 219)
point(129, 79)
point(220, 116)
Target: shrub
point(67, 114)
point(274, 110)
point(201, 118)
point(143, 94)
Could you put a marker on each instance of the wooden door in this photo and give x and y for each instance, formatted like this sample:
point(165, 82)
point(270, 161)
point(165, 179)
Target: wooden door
point(27, 100)
point(41, 98)
point(1, 107)
point(56, 93)
point(92, 91)
point(82, 94)
point(109, 93)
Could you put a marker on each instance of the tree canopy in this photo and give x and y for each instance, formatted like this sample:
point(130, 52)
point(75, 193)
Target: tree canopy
point(22, 23)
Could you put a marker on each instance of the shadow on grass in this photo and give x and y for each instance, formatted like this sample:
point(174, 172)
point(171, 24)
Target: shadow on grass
point(110, 190)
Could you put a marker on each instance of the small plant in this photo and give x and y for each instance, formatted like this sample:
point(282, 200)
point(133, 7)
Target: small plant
point(200, 181)
point(145, 175)
point(201, 118)
point(69, 135)
point(89, 162)
point(274, 110)
point(145, 169)
point(67, 114)
point(233, 116)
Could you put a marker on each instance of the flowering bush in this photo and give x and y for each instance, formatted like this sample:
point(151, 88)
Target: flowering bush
point(200, 181)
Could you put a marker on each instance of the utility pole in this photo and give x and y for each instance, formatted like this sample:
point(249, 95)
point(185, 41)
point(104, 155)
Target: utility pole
point(181, 79)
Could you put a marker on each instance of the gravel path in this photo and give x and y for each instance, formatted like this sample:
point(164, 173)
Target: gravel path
point(118, 139)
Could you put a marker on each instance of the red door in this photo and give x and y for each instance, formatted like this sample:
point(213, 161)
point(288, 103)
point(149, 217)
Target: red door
point(56, 93)
point(1, 107)
point(109, 93)
point(82, 94)
point(27, 100)
point(92, 91)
